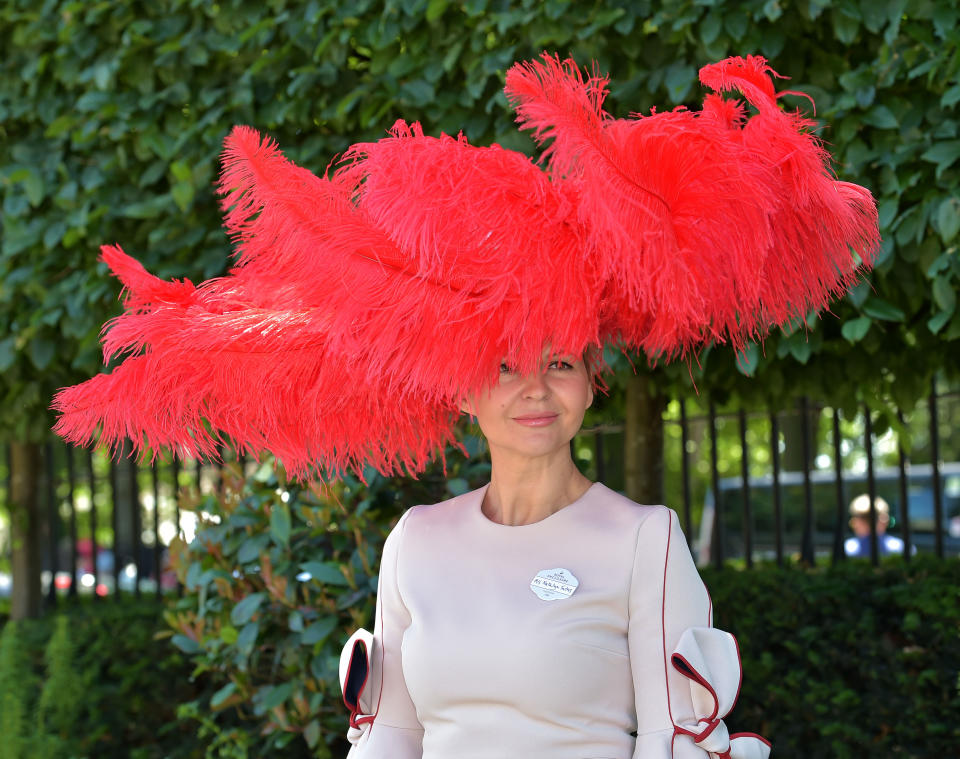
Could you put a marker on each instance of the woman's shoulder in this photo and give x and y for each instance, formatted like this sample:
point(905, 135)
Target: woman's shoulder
point(623, 509)
point(453, 508)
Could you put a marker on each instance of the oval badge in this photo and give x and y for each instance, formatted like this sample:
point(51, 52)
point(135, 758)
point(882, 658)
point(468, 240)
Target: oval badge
point(554, 584)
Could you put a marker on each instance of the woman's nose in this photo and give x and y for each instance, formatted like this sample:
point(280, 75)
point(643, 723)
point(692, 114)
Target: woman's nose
point(535, 385)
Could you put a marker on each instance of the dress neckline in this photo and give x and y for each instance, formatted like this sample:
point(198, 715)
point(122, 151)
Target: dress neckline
point(476, 509)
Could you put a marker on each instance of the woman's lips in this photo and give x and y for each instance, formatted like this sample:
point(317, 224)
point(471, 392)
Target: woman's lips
point(535, 420)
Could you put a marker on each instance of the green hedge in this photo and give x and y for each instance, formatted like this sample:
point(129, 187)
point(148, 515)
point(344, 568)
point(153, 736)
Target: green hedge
point(839, 662)
point(112, 115)
point(847, 661)
point(107, 686)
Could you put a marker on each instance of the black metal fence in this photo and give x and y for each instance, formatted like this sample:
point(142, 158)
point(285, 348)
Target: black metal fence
point(107, 523)
point(752, 485)
point(748, 485)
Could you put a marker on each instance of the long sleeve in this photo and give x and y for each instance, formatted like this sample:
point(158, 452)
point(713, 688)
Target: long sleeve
point(395, 732)
point(686, 674)
point(667, 597)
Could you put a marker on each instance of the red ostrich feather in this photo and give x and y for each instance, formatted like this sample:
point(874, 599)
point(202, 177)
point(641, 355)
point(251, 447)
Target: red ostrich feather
point(708, 228)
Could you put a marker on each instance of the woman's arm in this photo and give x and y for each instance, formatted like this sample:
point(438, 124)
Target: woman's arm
point(395, 732)
point(686, 675)
point(667, 596)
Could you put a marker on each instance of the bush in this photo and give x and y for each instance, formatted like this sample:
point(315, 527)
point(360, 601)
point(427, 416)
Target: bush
point(275, 579)
point(95, 681)
point(847, 661)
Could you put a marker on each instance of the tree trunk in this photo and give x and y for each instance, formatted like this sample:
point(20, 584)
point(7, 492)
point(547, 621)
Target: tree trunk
point(643, 442)
point(792, 458)
point(25, 529)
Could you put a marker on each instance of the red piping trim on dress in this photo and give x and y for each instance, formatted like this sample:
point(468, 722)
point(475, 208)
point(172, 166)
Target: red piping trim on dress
point(663, 623)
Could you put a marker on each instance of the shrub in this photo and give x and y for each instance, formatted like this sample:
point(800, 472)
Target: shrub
point(275, 579)
point(847, 661)
point(94, 681)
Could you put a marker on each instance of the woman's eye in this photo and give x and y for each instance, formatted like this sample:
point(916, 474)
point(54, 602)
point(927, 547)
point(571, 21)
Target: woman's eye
point(505, 368)
point(559, 363)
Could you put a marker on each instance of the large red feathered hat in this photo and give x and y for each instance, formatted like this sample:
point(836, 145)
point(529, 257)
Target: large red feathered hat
point(367, 303)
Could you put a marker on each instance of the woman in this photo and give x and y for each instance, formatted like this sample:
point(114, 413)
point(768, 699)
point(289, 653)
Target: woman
point(536, 616)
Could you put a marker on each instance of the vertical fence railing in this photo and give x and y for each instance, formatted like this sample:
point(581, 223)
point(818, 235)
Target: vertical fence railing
point(109, 521)
point(803, 511)
point(106, 524)
point(840, 518)
point(904, 490)
point(935, 463)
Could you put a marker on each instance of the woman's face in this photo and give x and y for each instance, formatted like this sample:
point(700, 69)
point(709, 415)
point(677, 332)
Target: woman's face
point(537, 414)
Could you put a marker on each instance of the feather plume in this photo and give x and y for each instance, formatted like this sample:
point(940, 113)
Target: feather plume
point(352, 331)
point(708, 226)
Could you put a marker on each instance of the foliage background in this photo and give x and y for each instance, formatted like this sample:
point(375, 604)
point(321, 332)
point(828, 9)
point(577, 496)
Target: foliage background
point(112, 115)
point(111, 119)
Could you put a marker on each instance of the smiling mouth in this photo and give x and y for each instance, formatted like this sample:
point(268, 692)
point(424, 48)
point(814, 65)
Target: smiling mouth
point(535, 420)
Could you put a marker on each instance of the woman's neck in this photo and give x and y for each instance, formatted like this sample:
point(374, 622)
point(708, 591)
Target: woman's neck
point(524, 491)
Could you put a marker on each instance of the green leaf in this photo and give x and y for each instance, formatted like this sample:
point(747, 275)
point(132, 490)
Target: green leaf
point(800, 347)
point(435, 9)
point(679, 78)
point(280, 523)
point(859, 293)
point(937, 322)
point(311, 733)
point(185, 644)
point(881, 117)
point(271, 696)
point(887, 211)
point(319, 630)
point(948, 219)
point(944, 294)
point(950, 97)
point(248, 637)
point(881, 309)
point(326, 572)
point(845, 27)
point(855, 330)
point(33, 184)
point(747, 359)
point(222, 695)
point(181, 171)
point(295, 621)
point(8, 353)
point(251, 548)
point(711, 27)
point(183, 194)
point(943, 153)
point(41, 352)
point(54, 234)
point(246, 608)
point(60, 125)
point(228, 634)
point(146, 209)
point(457, 486)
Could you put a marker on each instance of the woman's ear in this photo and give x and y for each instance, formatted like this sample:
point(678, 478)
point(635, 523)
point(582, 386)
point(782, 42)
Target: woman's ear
point(466, 406)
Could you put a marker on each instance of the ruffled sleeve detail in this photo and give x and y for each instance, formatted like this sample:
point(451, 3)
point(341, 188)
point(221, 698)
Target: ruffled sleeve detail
point(354, 673)
point(709, 660)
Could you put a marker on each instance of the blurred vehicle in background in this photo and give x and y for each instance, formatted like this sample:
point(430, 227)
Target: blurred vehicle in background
point(825, 512)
